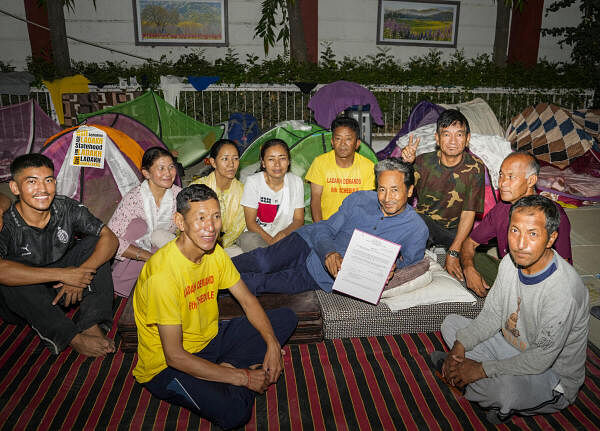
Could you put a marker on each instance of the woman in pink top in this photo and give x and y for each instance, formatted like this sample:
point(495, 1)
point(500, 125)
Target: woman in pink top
point(143, 221)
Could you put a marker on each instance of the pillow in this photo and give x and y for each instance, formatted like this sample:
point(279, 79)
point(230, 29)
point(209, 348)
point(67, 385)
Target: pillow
point(408, 273)
point(414, 284)
point(443, 288)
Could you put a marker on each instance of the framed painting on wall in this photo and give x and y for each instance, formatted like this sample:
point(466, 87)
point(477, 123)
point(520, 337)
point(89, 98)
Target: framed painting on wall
point(180, 22)
point(418, 22)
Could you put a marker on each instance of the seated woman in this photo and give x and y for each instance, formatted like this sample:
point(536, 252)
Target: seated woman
point(225, 159)
point(273, 199)
point(143, 221)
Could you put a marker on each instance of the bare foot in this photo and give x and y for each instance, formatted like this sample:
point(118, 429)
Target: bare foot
point(95, 331)
point(91, 345)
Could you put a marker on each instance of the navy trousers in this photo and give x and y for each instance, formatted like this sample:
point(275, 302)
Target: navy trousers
point(279, 268)
point(237, 343)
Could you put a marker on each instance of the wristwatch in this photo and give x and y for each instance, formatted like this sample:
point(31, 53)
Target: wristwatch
point(454, 253)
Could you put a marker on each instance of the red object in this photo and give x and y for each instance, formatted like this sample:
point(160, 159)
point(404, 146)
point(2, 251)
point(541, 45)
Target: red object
point(524, 41)
point(266, 212)
point(310, 22)
point(39, 38)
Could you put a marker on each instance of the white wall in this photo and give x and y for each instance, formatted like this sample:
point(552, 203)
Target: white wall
point(350, 25)
point(549, 48)
point(14, 39)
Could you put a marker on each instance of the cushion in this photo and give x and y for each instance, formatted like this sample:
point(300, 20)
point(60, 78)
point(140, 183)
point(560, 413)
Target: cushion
point(442, 288)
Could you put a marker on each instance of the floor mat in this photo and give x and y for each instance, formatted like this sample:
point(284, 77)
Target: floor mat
point(344, 384)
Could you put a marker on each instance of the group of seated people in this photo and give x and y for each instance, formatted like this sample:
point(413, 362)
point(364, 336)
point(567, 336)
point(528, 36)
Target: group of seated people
point(523, 354)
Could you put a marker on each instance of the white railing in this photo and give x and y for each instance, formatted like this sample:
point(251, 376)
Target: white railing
point(272, 104)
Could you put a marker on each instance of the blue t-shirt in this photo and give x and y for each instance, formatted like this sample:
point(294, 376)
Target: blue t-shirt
point(361, 210)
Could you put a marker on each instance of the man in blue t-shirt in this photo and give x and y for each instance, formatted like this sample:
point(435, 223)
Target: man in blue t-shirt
point(54, 251)
point(310, 257)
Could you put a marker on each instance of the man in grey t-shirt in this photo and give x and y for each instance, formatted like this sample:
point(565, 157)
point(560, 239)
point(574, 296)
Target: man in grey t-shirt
point(525, 352)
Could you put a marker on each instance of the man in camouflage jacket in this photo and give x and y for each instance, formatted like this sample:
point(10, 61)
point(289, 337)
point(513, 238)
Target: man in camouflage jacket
point(449, 184)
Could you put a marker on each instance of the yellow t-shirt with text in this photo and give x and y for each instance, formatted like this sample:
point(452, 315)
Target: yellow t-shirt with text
point(339, 182)
point(173, 290)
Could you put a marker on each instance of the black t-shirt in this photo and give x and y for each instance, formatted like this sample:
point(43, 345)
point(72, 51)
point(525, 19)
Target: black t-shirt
point(33, 246)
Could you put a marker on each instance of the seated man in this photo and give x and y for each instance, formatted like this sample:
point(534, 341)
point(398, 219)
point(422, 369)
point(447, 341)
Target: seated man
point(310, 257)
point(185, 355)
point(525, 352)
point(449, 184)
point(339, 172)
point(518, 176)
point(42, 263)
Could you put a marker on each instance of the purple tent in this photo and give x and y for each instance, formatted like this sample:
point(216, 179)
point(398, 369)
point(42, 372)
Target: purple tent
point(334, 98)
point(422, 114)
point(24, 127)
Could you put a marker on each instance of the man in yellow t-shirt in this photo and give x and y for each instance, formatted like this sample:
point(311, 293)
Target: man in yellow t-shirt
point(185, 355)
point(339, 172)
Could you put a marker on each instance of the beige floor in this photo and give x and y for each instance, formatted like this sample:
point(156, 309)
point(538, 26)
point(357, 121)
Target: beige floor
point(585, 242)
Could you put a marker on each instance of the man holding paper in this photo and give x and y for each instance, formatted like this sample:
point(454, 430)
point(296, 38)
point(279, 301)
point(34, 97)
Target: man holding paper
point(311, 257)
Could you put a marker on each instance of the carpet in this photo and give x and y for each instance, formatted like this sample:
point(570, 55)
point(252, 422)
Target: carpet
point(378, 383)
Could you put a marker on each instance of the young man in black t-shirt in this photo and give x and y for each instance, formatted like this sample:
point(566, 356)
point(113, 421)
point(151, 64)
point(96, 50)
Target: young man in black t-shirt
point(54, 251)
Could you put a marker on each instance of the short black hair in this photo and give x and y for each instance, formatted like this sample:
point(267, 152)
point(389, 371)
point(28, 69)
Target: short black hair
point(273, 143)
point(32, 160)
point(345, 121)
point(153, 153)
point(194, 193)
point(449, 117)
point(396, 164)
point(544, 204)
point(216, 147)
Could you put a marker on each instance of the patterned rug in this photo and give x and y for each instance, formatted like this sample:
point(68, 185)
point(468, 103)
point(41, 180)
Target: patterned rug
point(378, 383)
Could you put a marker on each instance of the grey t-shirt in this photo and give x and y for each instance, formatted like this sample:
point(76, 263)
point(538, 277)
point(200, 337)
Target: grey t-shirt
point(545, 317)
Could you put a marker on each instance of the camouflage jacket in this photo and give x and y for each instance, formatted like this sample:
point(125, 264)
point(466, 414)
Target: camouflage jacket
point(443, 192)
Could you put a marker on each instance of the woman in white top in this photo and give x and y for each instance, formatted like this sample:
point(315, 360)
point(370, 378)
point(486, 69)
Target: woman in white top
point(273, 199)
point(143, 221)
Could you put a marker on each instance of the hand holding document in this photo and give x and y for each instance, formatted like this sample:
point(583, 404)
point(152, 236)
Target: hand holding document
point(366, 266)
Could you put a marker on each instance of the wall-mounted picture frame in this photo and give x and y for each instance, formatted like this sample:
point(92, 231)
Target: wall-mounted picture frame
point(180, 22)
point(418, 22)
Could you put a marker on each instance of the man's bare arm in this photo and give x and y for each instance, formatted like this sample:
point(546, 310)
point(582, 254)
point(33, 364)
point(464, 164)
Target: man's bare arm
point(473, 278)
point(17, 274)
point(316, 192)
point(465, 224)
point(106, 247)
point(272, 364)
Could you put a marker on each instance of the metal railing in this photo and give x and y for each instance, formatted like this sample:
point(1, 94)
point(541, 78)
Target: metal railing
point(272, 104)
point(40, 95)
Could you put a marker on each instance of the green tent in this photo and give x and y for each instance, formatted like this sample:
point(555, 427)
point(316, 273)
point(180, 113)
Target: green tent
point(304, 145)
point(190, 138)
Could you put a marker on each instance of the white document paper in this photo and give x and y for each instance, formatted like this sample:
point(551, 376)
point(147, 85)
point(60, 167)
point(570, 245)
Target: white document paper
point(366, 266)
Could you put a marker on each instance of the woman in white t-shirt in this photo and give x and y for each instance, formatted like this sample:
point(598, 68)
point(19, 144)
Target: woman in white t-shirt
point(273, 199)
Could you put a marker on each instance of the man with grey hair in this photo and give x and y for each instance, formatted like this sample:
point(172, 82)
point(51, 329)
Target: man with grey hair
point(310, 257)
point(518, 176)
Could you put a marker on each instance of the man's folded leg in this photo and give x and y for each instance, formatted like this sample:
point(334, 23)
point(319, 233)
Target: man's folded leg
point(238, 343)
point(33, 303)
point(227, 406)
point(279, 268)
point(288, 252)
